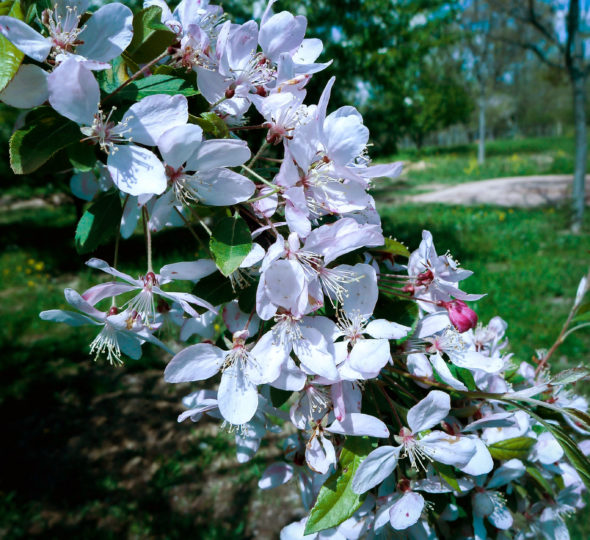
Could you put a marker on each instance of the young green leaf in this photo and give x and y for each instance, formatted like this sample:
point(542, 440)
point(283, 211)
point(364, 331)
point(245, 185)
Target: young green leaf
point(99, 223)
point(10, 57)
point(156, 84)
point(230, 242)
point(150, 37)
point(211, 124)
point(336, 501)
point(517, 447)
point(44, 134)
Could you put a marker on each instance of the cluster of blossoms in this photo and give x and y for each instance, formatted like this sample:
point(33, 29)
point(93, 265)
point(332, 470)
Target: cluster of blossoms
point(425, 422)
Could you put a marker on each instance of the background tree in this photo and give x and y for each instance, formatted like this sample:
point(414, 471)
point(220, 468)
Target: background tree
point(558, 33)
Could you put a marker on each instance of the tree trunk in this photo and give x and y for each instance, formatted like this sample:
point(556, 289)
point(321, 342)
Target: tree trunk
point(579, 187)
point(481, 145)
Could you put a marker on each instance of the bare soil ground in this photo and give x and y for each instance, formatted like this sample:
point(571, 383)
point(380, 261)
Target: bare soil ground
point(519, 191)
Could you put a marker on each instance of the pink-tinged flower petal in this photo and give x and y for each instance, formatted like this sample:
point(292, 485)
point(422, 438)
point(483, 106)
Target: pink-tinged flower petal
point(222, 187)
point(502, 519)
point(346, 137)
point(512, 470)
point(476, 360)
point(281, 33)
point(137, 171)
point(375, 468)
point(74, 92)
point(284, 281)
point(320, 454)
point(237, 395)
point(481, 462)
point(270, 355)
point(195, 363)
point(312, 352)
point(99, 264)
point(290, 378)
point(153, 115)
point(105, 290)
point(361, 294)
point(236, 320)
point(190, 270)
point(178, 144)
point(76, 300)
point(107, 33)
point(504, 419)
point(185, 299)
point(380, 328)
point(387, 170)
point(84, 185)
point(448, 449)
point(429, 412)
point(341, 237)
point(443, 371)
point(431, 324)
point(24, 38)
point(276, 475)
point(369, 356)
point(406, 511)
point(27, 89)
point(67, 317)
point(217, 153)
point(211, 84)
point(359, 425)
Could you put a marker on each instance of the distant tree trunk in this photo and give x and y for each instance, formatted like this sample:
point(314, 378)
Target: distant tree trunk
point(481, 145)
point(577, 72)
point(579, 187)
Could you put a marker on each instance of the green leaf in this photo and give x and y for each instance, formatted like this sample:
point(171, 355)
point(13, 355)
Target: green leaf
point(110, 79)
point(536, 475)
point(211, 124)
point(517, 447)
point(464, 375)
point(10, 57)
point(570, 376)
point(447, 473)
point(215, 289)
point(581, 418)
point(44, 134)
point(100, 222)
point(156, 84)
point(578, 460)
point(82, 156)
point(150, 36)
point(583, 317)
point(336, 501)
point(230, 242)
point(394, 247)
point(278, 396)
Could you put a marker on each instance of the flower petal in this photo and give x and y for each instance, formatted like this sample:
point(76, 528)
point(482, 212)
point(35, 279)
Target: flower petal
point(237, 395)
point(375, 468)
point(406, 511)
point(429, 412)
point(359, 425)
point(222, 187)
point(195, 363)
point(25, 38)
point(74, 92)
point(153, 115)
point(27, 89)
point(137, 171)
point(177, 144)
point(380, 328)
point(107, 33)
point(217, 153)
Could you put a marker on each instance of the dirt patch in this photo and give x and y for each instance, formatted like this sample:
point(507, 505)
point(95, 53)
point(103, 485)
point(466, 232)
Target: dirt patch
point(519, 191)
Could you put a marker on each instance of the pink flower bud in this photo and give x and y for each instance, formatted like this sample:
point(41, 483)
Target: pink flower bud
point(462, 316)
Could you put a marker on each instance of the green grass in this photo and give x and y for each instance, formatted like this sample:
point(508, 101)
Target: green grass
point(457, 164)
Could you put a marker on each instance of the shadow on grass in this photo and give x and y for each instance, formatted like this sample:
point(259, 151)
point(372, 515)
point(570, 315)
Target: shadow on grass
point(91, 451)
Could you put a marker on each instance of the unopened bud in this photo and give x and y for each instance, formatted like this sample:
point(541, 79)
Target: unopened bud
point(462, 317)
point(230, 93)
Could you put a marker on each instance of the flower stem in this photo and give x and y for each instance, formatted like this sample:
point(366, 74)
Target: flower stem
point(148, 238)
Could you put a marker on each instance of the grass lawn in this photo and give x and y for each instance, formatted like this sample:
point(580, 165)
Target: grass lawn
point(456, 164)
point(91, 451)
